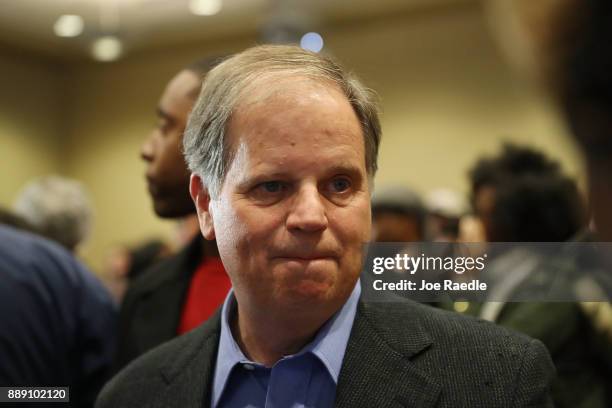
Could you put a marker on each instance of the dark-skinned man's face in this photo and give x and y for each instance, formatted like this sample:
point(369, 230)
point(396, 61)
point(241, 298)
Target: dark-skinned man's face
point(167, 174)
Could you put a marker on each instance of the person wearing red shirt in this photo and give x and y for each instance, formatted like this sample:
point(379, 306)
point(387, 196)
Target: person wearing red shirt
point(179, 293)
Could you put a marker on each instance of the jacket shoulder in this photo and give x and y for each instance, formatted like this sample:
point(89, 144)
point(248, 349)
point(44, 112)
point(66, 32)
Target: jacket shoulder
point(468, 357)
point(141, 382)
point(396, 318)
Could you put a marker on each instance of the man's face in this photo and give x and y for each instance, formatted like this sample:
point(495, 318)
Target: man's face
point(294, 210)
point(167, 174)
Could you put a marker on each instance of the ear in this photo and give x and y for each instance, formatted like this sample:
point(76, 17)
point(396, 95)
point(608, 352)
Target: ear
point(201, 199)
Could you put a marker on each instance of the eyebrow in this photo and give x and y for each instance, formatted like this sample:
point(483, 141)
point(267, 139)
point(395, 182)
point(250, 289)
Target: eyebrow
point(163, 114)
point(346, 168)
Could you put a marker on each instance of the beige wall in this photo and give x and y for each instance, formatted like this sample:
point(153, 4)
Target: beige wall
point(31, 121)
point(447, 98)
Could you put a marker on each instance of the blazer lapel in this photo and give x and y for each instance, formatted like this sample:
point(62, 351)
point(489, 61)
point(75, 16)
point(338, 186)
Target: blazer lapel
point(161, 303)
point(377, 371)
point(189, 375)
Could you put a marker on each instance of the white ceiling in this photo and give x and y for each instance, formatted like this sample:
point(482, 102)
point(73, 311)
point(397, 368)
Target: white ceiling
point(28, 24)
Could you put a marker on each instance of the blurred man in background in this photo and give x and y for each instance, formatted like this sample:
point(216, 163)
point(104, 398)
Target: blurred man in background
point(59, 208)
point(523, 196)
point(445, 208)
point(8, 217)
point(58, 322)
point(398, 215)
point(565, 44)
point(571, 40)
point(181, 292)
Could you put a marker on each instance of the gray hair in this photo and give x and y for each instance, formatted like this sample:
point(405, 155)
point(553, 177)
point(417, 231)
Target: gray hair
point(58, 207)
point(205, 146)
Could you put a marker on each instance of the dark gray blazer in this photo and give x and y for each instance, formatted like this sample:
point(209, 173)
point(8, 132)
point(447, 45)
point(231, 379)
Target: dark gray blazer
point(152, 307)
point(400, 354)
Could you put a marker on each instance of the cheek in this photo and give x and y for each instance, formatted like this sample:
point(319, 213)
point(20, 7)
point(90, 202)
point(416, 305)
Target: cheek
point(242, 232)
point(173, 152)
point(167, 158)
point(228, 232)
point(353, 230)
point(357, 223)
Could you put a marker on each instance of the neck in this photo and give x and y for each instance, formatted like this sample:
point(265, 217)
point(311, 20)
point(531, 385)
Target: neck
point(209, 248)
point(252, 332)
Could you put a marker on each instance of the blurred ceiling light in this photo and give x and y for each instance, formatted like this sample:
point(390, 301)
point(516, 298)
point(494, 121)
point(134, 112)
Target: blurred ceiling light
point(205, 7)
point(107, 48)
point(68, 25)
point(312, 42)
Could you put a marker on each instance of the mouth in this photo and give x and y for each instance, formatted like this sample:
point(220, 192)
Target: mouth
point(302, 258)
point(306, 252)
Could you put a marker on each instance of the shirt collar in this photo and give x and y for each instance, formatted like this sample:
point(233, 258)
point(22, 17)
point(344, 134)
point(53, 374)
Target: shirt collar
point(329, 344)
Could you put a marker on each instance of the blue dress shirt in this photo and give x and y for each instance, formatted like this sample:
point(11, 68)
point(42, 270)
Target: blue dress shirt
point(305, 379)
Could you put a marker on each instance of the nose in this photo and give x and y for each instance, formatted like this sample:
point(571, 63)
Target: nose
point(146, 150)
point(308, 212)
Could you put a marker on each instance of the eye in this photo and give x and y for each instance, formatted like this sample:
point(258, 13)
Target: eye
point(271, 186)
point(340, 185)
point(269, 192)
point(163, 125)
point(340, 190)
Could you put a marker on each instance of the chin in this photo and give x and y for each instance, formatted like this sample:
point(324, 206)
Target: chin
point(167, 210)
point(315, 292)
point(306, 277)
point(312, 290)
